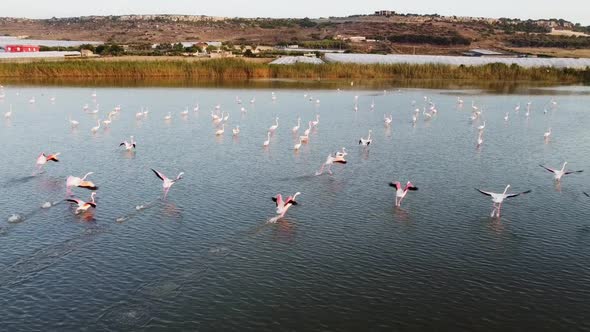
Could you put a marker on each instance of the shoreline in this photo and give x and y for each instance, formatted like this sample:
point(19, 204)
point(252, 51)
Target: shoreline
point(216, 70)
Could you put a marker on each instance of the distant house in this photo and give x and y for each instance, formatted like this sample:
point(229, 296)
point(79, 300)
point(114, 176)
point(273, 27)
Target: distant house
point(86, 53)
point(384, 13)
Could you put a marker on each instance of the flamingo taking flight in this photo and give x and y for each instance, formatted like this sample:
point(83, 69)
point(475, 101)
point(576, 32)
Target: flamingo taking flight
point(401, 192)
point(329, 162)
point(559, 173)
point(166, 182)
point(74, 181)
point(366, 141)
point(282, 206)
point(129, 145)
point(43, 159)
point(498, 198)
point(83, 206)
point(296, 128)
point(274, 126)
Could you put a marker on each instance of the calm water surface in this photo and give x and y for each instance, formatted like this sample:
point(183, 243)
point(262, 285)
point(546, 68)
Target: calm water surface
point(344, 259)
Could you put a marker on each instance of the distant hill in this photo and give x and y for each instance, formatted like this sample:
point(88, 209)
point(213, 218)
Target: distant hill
point(383, 32)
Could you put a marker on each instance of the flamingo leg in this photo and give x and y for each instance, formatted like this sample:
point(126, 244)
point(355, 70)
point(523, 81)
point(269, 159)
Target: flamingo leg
point(321, 170)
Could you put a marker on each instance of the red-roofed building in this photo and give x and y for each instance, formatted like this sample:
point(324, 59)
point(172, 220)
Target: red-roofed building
point(20, 48)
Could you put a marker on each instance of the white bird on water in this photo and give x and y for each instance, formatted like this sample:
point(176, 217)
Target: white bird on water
point(95, 128)
point(559, 173)
point(168, 117)
point(267, 142)
point(317, 121)
point(220, 131)
point(547, 134)
point(275, 126)
point(166, 182)
point(366, 141)
point(73, 123)
point(236, 131)
point(296, 128)
point(388, 120)
point(506, 116)
point(498, 199)
point(298, 145)
point(129, 145)
point(8, 114)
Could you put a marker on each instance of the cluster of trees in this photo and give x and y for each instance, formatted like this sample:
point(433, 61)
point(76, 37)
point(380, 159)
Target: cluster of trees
point(455, 39)
point(550, 41)
point(287, 23)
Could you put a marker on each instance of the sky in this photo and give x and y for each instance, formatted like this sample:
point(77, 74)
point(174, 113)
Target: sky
point(577, 11)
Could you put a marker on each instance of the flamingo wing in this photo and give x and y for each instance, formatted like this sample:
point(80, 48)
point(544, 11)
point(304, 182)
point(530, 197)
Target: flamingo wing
point(278, 199)
point(74, 200)
point(484, 192)
point(158, 174)
point(91, 204)
point(548, 169)
point(514, 195)
point(87, 185)
point(396, 185)
point(572, 172)
point(585, 193)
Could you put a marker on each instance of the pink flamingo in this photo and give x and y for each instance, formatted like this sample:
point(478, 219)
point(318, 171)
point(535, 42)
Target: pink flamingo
point(283, 205)
point(74, 181)
point(129, 145)
point(166, 182)
point(83, 206)
point(400, 193)
point(43, 159)
point(329, 162)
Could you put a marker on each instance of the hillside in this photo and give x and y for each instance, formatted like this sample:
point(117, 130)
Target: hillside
point(420, 34)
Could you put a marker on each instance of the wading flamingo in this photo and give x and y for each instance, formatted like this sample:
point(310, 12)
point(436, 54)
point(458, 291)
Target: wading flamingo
point(388, 120)
point(298, 145)
point(559, 173)
point(168, 117)
point(8, 114)
point(185, 112)
point(498, 198)
point(267, 142)
point(73, 123)
point(220, 132)
point(274, 126)
point(236, 131)
point(317, 121)
point(166, 182)
point(306, 132)
point(83, 206)
point(547, 134)
point(401, 192)
point(296, 128)
point(95, 128)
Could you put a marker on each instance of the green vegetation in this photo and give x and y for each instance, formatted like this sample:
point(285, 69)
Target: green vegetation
point(550, 41)
point(220, 69)
point(453, 39)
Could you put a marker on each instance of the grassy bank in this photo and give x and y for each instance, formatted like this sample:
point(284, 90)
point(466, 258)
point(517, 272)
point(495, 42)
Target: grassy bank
point(232, 69)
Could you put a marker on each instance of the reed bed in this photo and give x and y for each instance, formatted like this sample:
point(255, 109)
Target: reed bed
point(232, 69)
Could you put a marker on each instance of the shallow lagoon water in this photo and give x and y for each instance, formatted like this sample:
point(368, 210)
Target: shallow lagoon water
point(344, 259)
